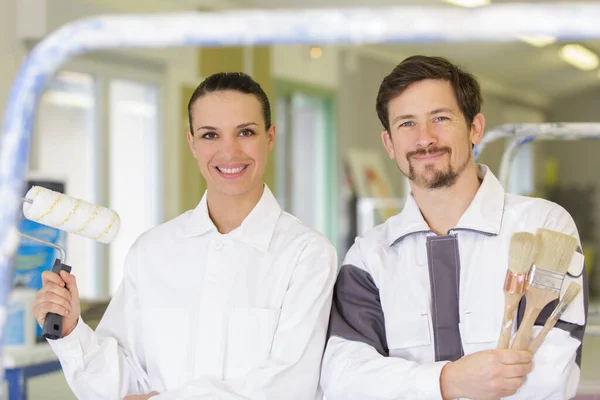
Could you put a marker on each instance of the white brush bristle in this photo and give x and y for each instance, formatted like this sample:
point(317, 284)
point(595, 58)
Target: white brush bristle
point(556, 250)
point(522, 252)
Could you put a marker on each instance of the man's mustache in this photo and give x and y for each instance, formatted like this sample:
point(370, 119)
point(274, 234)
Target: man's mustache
point(430, 150)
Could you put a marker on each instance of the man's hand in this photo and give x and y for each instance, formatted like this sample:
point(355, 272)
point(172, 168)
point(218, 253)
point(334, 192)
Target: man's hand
point(490, 374)
point(141, 396)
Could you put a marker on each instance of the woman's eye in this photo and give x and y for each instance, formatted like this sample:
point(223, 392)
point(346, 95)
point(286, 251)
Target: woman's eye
point(246, 132)
point(209, 135)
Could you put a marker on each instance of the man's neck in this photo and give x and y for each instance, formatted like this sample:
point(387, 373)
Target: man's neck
point(443, 208)
point(228, 212)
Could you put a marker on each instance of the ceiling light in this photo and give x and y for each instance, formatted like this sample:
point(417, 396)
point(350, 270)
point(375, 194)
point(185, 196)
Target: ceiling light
point(538, 40)
point(468, 3)
point(316, 52)
point(579, 57)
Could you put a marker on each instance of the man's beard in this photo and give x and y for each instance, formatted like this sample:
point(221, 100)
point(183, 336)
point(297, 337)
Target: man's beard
point(441, 178)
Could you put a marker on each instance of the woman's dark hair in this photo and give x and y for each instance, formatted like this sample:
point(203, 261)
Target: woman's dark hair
point(235, 81)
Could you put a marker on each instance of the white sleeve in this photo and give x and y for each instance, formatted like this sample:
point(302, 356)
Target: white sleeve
point(292, 369)
point(356, 364)
point(556, 364)
point(108, 363)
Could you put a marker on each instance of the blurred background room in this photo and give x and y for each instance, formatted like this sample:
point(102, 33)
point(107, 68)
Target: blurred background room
point(113, 123)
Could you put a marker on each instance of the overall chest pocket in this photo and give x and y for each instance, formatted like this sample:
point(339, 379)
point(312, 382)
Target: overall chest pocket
point(406, 330)
point(250, 333)
point(480, 326)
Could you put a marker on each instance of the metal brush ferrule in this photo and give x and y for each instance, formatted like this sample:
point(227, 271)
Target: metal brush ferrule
point(514, 283)
point(559, 310)
point(545, 280)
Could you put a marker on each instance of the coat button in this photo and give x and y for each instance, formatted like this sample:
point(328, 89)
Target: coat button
point(219, 245)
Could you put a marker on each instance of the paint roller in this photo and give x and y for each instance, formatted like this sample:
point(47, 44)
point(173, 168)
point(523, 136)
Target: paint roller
point(71, 215)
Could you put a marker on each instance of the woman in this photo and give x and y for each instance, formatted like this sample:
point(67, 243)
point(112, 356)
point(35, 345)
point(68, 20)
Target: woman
point(228, 301)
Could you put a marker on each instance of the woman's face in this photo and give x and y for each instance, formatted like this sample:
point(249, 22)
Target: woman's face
point(230, 141)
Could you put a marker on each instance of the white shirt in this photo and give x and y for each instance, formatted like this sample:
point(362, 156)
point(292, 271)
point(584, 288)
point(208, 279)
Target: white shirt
point(203, 315)
point(383, 301)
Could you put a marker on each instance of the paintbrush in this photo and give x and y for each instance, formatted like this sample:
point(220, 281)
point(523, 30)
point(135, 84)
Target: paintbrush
point(521, 255)
point(570, 294)
point(545, 279)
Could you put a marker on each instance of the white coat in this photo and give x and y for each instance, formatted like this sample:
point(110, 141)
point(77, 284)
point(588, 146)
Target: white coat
point(204, 315)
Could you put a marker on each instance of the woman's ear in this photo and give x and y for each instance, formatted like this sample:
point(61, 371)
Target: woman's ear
point(190, 139)
point(271, 137)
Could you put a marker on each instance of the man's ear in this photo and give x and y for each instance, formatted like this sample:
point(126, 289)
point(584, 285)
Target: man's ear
point(386, 138)
point(477, 128)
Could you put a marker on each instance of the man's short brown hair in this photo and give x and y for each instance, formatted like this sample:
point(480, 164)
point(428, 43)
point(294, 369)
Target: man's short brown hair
point(417, 68)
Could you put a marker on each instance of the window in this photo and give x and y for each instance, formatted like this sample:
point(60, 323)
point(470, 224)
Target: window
point(306, 160)
point(98, 130)
point(63, 151)
point(134, 165)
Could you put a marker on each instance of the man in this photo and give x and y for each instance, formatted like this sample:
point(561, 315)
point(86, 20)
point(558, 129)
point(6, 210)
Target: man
point(419, 300)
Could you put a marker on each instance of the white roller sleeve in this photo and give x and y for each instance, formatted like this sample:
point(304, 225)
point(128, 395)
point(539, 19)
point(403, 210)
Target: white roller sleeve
point(71, 215)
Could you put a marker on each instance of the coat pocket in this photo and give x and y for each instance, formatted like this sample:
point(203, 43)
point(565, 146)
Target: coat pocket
point(250, 333)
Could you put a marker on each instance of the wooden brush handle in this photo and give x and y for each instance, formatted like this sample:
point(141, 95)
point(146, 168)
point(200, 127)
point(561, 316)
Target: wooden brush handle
point(536, 300)
point(537, 342)
point(523, 335)
point(511, 302)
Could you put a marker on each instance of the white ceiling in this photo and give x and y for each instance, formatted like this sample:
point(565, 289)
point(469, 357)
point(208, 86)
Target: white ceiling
point(536, 75)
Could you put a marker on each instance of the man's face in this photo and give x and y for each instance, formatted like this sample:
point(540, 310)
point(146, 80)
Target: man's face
point(429, 136)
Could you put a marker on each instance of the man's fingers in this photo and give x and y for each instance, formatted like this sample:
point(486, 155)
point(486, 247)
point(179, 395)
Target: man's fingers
point(511, 386)
point(510, 357)
point(517, 370)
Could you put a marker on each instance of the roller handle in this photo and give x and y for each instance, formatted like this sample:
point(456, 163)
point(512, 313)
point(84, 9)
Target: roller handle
point(53, 323)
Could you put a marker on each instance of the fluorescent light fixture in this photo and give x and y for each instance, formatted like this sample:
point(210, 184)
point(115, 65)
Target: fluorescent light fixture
point(538, 40)
point(579, 57)
point(468, 3)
